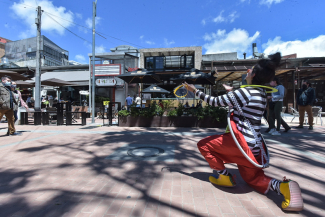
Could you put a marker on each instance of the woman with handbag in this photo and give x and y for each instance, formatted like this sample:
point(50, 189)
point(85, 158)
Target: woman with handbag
point(275, 109)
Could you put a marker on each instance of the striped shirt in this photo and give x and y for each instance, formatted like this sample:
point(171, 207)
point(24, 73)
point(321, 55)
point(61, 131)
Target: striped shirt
point(253, 103)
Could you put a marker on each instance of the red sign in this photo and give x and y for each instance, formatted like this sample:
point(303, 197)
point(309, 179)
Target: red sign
point(132, 69)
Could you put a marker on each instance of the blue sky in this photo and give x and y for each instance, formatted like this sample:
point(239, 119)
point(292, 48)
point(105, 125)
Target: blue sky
point(288, 26)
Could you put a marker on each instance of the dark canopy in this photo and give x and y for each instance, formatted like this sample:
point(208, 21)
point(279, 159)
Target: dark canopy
point(195, 77)
point(154, 89)
point(140, 76)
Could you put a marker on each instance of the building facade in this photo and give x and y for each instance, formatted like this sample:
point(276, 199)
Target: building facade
point(3, 42)
point(23, 53)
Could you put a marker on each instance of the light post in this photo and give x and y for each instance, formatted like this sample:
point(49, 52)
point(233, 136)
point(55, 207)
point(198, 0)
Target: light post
point(93, 75)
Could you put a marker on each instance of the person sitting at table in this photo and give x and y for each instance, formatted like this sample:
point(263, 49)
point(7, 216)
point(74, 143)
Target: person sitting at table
point(199, 104)
point(186, 105)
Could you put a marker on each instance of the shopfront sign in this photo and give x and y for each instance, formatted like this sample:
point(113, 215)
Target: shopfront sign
point(107, 69)
point(106, 102)
point(106, 82)
point(83, 92)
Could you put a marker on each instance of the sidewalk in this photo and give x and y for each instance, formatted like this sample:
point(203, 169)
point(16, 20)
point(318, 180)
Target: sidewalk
point(86, 171)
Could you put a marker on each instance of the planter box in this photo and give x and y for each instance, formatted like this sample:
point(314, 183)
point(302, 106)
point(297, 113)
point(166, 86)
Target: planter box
point(185, 121)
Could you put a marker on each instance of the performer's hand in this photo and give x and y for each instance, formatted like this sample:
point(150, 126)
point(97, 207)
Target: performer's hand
point(189, 87)
point(228, 88)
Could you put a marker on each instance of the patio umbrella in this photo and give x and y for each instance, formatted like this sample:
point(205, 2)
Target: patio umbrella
point(155, 89)
point(13, 75)
point(140, 76)
point(195, 77)
point(25, 84)
point(55, 82)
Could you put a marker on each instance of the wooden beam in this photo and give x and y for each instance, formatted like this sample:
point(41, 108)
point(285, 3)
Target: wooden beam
point(226, 76)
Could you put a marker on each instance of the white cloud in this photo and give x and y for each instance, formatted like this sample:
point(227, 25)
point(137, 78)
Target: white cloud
point(219, 18)
point(168, 43)
point(270, 2)
point(203, 22)
point(100, 49)
point(28, 14)
point(89, 22)
point(237, 40)
point(314, 47)
point(150, 42)
point(231, 17)
point(141, 37)
point(80, 58)
point(6, 25)
point(79, 16)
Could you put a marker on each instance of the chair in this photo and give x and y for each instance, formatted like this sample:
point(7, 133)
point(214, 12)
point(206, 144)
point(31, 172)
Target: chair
point(74, 115)
point(52, 115)
point(282, 112)
point(317, 113)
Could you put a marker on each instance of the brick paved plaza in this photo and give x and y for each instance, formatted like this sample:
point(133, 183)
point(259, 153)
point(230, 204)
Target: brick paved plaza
point(85, 171)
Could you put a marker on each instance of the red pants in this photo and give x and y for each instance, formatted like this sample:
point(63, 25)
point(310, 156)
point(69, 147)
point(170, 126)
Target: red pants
point(220, 149)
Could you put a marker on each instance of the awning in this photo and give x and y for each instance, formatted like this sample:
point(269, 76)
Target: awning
point(13, 75)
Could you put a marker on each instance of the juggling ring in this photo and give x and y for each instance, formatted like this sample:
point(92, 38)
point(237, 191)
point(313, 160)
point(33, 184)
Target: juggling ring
point(273, 90)
point(241, 149)
point(177, 88)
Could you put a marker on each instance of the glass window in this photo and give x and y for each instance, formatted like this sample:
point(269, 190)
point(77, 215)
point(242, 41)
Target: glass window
point(149, 63)
point(160, 62)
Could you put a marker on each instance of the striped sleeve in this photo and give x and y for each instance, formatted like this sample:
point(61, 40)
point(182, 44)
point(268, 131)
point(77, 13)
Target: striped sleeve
point(242, 95)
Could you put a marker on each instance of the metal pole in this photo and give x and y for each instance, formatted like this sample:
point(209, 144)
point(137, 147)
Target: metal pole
point(294, 89)
point(89, 88)
point(37, 104)
point(93, 77)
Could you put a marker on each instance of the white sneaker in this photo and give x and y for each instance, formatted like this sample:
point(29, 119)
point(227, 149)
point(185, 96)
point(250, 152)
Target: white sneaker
point(276, 133)
point(272, 131)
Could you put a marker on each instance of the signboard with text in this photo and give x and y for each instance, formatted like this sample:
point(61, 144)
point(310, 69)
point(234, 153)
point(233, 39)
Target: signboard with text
point(107, 69)
point(106, 82)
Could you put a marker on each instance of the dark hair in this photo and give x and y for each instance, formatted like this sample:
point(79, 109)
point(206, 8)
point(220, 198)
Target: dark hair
point(6, 76)
point(277, 80)
point(308, 82)
point(264, 70)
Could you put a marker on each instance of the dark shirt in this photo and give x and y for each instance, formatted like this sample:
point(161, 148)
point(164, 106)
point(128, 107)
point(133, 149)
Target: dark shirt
point(310, 92)
point(11, 97)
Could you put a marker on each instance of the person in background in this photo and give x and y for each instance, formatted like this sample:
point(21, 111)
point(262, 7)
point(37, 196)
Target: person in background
point(199, 104)
point(305, 100)
point(128, 102)
point(186, 105)
point(275, 111)
point(138, 100)
point(29, 101)
point(161, 104)
point(7, 101)
point(18, 99)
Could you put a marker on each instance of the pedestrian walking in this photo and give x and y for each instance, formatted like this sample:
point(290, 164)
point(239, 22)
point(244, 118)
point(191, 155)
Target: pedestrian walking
point(305, 100)
point(128, 102)
point(138, 101)
point(7, 101)
point(275, 109)
point(19, 100)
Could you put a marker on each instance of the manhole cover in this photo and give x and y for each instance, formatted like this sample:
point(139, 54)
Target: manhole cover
point(145, 151)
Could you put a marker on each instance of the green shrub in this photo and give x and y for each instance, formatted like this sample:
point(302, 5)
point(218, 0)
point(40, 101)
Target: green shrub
point(123, 113)
point(172, 113)
point(180, 109)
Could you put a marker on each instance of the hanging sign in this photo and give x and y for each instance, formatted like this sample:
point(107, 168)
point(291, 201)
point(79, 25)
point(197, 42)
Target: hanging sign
point(84, 92)
point(106, 102)
point(106, 82)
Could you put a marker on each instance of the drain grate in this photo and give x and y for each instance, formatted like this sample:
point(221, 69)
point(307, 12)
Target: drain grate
point(144, 152)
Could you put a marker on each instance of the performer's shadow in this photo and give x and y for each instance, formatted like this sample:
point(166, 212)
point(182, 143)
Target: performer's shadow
point(241, 188)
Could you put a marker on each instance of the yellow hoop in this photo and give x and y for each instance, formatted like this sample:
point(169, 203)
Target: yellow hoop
point(177, 88)
point(273, 90)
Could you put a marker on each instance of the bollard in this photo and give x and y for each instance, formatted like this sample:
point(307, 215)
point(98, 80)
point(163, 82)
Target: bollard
point(83, 118)
point(59, 113)
point(23, 118)
point(37, 118)
point(68, 118)
point(45, 118)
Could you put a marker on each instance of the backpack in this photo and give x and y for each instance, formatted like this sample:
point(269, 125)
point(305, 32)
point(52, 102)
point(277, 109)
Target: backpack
point(303, 98)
